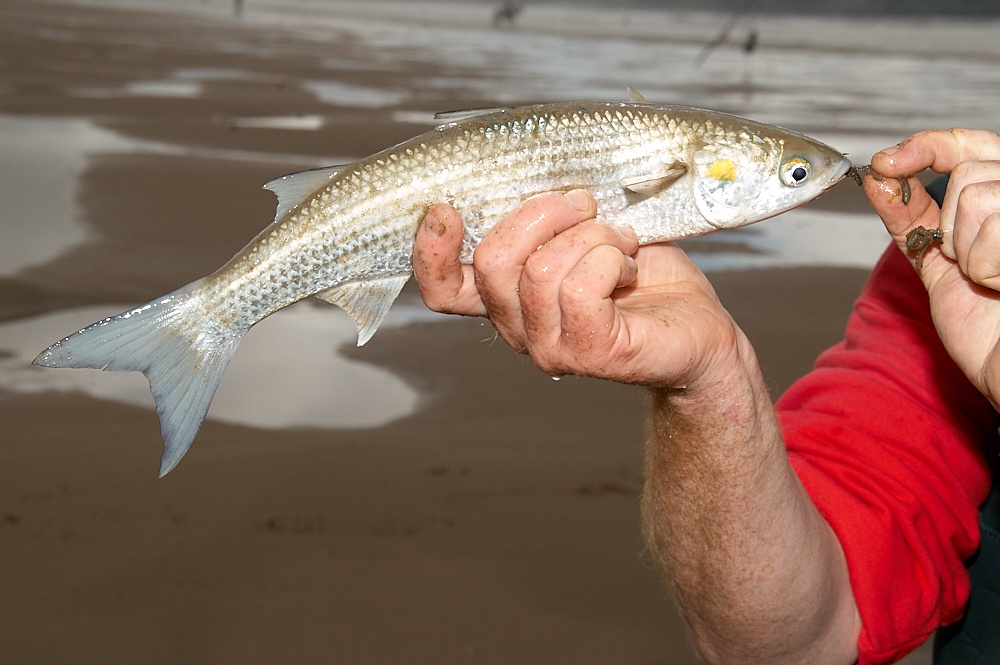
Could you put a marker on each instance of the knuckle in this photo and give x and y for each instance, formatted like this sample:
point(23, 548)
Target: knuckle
point(977, 272)
point(573, 292)
point(435, 300)
point(508, 331)
point(969, 199)
point(546, 361)
point(538, 270)
point(486, 262)
point(982, 272)
point(962, 170)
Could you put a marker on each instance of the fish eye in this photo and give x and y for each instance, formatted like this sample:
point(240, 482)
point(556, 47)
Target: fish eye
point(795, 171)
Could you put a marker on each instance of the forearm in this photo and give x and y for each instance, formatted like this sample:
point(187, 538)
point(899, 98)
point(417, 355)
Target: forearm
point(756, 569)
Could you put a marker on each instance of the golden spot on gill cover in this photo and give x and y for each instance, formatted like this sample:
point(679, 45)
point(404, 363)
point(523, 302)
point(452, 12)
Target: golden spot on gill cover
point(723, 169)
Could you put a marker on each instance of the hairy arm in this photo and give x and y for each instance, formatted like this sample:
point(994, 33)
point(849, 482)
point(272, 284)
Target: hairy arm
point(756, 569)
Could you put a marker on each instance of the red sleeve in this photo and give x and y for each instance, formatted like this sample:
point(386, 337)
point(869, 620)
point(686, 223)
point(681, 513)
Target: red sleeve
point(887, 437)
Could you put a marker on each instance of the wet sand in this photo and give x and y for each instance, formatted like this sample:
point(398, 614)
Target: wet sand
point(497, 524)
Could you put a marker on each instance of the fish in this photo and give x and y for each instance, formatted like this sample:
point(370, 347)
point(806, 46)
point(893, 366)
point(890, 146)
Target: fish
point(345, 233)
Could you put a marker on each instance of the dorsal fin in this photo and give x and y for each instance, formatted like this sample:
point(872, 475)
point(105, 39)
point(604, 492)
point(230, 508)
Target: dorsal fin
point(635, 96)
point(654, 183)
point(464, 114)
point(294, 188)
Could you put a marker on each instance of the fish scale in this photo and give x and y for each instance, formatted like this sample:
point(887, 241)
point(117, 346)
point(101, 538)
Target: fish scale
point(346, 233)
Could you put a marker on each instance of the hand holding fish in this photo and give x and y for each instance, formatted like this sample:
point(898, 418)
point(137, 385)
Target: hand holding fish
point(578, 296)
point(581, 297)
point(964, 277)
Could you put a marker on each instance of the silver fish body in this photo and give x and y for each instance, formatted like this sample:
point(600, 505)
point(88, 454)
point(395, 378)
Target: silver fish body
point(346, 233)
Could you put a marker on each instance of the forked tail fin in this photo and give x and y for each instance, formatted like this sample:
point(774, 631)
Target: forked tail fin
point(181, 350)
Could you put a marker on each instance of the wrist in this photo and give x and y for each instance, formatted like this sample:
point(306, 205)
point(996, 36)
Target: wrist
point(727, 384)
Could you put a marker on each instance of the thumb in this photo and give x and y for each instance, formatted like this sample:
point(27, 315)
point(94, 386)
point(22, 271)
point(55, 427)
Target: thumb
point(940, 150)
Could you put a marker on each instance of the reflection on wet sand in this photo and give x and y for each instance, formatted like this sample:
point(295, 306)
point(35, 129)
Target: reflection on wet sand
point(42, 160)
point(287, 373)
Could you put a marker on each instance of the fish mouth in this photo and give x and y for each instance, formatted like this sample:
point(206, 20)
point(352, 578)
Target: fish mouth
point(846, 166)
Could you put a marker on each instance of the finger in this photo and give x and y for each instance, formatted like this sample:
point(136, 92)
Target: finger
point(991, 377)
point(590, 327)
point(662, 266)
point(983, 256)
point(961, 191)
point(899, 218)
point(545, 271)
point(940, 150)
point(585, 296)
point(445, 284)
point(500, 258)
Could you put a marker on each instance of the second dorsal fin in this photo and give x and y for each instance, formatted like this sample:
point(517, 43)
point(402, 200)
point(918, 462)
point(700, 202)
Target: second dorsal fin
point(294, 188)
point(635, 96)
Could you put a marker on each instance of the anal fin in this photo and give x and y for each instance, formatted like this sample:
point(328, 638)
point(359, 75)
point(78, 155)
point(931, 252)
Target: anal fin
point(367, 302)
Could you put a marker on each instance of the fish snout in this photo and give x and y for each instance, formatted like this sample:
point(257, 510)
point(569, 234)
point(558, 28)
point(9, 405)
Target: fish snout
point(841, 169)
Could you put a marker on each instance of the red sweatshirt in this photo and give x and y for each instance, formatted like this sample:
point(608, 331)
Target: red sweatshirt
point(890, 440)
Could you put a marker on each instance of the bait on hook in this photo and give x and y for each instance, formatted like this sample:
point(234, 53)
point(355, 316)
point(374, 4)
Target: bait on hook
point(858, 173)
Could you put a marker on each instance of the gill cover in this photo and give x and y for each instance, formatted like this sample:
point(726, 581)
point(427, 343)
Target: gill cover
point(728, 180)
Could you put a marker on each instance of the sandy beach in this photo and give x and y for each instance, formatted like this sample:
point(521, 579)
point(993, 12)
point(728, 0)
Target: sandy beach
point(484, 513)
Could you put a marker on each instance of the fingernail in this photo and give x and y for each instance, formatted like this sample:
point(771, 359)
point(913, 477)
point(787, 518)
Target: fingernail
point(580, 200)
point(630, 273)
point(888, 153)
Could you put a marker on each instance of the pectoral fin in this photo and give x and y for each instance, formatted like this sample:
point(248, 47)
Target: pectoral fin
point(295, 188)
point(655, 183)
point(366, 302)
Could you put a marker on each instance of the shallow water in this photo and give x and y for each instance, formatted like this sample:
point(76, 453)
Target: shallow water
point(42, 160)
